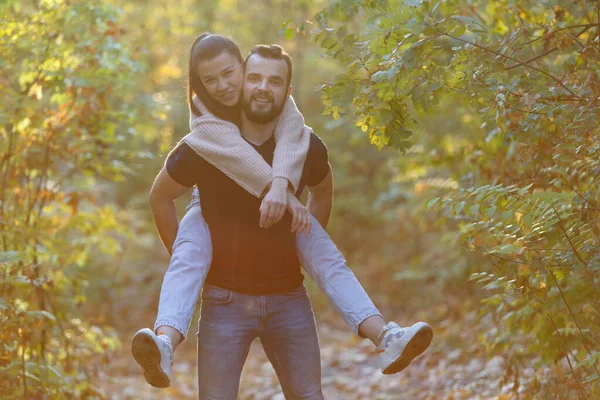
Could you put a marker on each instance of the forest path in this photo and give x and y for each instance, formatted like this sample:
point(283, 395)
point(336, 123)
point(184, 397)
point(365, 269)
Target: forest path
point(349, 370)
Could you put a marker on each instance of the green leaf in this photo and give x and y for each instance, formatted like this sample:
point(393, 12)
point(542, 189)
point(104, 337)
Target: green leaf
point(551, 197)
point(380, 76)
point(471, 23)
point(432, 202)
point(591, 359)
point(473, 209)
point(289, 33)
point(490, 212)
point(459, 31)
point(498, 66)
point(11, 256)
point(41, 314)
point(508, 249)
point(459, 207)
point(429, 31)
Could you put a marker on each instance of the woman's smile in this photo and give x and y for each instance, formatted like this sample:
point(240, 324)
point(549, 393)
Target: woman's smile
point(228, 96)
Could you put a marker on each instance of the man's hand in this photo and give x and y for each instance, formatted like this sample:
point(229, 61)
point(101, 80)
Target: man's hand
point(274, 203)
point(301, 221)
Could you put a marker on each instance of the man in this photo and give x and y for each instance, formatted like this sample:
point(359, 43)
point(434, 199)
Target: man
point(254, 287)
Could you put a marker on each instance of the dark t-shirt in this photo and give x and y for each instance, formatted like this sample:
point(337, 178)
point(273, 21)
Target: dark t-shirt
point(246, 258)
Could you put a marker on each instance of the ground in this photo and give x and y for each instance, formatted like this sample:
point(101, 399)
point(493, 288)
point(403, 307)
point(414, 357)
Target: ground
point(453, 368)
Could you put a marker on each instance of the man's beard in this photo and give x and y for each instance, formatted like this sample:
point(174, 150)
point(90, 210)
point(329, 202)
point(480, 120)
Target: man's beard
point(262, 117)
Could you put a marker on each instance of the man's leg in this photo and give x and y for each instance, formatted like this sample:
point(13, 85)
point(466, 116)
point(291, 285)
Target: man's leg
point(290, 340)
point(326, 265)
point(228, 324)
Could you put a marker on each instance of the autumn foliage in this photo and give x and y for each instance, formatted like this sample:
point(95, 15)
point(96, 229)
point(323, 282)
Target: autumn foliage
point(463, 136)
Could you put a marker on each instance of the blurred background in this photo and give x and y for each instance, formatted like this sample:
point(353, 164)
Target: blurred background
point(424, 149)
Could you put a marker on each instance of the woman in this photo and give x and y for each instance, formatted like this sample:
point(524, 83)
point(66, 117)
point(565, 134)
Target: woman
point(215, 77)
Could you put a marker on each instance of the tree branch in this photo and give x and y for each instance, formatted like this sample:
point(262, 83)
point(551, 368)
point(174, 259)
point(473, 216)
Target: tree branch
point(562, 98)
point(555, 79)
point(583, 338)
point(500, 257)
point(598, 19)
point(585, 264)
point(351, 51)
point(587, 26)
point(579, 384)
point(531, 59)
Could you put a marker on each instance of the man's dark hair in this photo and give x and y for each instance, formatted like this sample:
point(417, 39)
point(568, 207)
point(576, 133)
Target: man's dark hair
point(274, 52)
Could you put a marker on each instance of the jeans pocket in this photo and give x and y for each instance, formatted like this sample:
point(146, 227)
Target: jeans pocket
point(216, 295)
point(299, 291)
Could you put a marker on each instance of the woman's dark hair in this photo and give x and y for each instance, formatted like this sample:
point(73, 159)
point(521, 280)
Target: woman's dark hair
point(206, 47)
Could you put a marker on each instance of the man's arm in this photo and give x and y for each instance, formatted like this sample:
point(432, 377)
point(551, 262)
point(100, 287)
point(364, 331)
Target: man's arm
point(320, 199)
point(162, 196)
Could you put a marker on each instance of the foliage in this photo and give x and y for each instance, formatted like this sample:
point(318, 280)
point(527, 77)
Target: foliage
point(66, 109)
point(518, 179)
point(493, 106)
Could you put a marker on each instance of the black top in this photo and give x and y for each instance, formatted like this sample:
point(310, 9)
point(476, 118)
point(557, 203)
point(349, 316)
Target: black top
point(246, 258)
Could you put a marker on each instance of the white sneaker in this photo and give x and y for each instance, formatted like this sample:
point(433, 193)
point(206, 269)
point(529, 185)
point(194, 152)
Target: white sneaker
point(400, 346)
point(155, 356)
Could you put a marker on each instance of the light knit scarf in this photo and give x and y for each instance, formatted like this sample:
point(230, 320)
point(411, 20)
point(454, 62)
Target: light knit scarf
point(220, 143)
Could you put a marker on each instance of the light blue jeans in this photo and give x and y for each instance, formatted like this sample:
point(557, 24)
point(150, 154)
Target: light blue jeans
point(285, 325)
point(192, 255)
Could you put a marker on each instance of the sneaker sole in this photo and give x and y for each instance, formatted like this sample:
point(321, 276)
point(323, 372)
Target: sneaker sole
point(146, 353)
point(417, 345)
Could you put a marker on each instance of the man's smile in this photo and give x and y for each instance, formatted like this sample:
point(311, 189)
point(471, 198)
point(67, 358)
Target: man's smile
point(262, 99)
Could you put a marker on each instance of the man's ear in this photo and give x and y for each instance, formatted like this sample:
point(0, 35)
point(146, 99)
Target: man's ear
point(289, 91)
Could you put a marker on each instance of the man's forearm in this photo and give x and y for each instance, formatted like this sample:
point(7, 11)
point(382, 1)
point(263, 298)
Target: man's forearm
point(320, 208)
point(165, 218)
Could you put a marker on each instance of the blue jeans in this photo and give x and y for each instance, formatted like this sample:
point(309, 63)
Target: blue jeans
point(192, 255)
point(285, 325)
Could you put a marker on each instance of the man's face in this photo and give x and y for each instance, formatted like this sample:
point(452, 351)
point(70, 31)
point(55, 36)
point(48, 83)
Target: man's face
point(265, 88)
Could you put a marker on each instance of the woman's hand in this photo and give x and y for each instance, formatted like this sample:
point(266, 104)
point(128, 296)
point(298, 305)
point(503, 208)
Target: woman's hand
point(274, 203)
point(302, 221)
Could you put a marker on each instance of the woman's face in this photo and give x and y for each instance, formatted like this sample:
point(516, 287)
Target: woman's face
point(222, 77)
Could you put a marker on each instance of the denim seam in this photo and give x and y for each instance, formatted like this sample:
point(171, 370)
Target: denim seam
point(179, 242)
point(346, 316)
point(352, 322)
point(363, 317)
point(194, 203)
point(167, 322)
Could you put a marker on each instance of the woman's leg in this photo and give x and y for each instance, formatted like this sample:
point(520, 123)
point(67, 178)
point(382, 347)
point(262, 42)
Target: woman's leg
point(188, 268)
point(189, 265)
point(327, 267)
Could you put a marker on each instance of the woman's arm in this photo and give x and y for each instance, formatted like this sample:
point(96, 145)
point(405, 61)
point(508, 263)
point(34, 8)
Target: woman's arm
point(293, 141)
point(220, 143)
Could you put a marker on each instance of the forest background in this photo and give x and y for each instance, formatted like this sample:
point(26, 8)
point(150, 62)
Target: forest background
point(464, 140)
